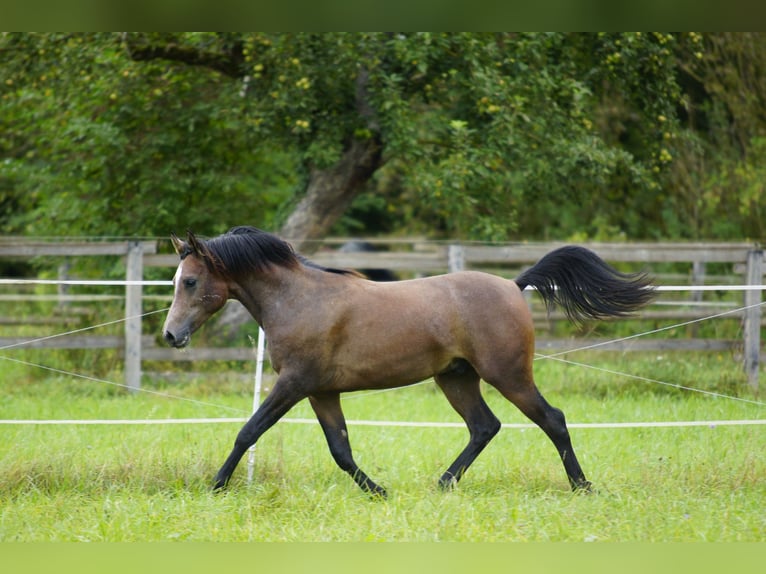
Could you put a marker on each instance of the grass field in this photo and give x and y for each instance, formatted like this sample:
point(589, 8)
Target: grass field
point(150, 483)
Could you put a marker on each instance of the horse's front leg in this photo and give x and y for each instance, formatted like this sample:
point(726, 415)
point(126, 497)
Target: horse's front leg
point(280, 400)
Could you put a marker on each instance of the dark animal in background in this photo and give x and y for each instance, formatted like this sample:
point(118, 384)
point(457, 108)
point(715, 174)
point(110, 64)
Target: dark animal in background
point(373, 274)
point(330, 331)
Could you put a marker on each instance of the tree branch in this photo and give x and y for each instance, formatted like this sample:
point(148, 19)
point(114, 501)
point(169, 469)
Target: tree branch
point(228, 62)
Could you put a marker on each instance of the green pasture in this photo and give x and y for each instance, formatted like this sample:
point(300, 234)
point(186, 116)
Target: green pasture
point(151, 483)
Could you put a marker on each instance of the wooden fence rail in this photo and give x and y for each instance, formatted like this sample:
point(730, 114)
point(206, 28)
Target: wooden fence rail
point(416, 257)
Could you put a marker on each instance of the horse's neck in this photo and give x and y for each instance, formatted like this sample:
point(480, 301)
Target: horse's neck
point(274, 292)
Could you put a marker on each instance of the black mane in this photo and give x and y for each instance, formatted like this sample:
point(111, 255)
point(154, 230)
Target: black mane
point(245, 248)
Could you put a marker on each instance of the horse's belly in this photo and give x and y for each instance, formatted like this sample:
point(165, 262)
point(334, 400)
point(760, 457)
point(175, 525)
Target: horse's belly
point(392, 363)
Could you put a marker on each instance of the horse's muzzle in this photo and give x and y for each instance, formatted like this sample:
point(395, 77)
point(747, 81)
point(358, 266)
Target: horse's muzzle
point(177, 341)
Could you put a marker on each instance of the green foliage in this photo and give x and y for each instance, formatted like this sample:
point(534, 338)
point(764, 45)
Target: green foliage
point(485, 135)
point(513, 138)
point(715, 186)
point(97, 144)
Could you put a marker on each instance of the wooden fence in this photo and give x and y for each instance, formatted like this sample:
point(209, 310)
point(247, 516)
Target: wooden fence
point(745, 261)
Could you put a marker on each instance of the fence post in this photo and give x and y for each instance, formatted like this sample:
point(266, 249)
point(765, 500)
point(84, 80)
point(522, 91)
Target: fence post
point(698, 278)
point(63, 290)
point(753, 316)
point(455, 258)
point(133, 311)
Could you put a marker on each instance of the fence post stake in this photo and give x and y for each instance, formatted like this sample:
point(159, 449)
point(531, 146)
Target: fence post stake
point(258, 384)
point(63, 290)
point(753, 316)
point(455, 258)
point(698, 278)
point(135, 272)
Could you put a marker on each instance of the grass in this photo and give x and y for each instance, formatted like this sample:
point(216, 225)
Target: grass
point(151, 483)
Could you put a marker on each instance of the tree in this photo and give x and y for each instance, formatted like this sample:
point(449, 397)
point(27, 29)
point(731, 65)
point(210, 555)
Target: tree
point(302, 92)
point(477, 124)
point(477, 135)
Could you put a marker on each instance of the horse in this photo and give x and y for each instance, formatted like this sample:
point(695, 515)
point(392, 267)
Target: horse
point(332, 331)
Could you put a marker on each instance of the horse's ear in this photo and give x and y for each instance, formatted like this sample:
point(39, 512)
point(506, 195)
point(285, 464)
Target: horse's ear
point(194, 246)
point(179, 245)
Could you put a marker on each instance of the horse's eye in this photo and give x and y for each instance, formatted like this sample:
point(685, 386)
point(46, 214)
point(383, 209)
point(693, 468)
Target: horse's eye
point(190, 282)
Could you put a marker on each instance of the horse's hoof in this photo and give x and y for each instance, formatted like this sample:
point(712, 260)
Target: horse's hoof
point(583, 486)
point(378, 493)
point(448, 482)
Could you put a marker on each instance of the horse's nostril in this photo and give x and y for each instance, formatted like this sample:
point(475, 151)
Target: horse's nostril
point(177, 341)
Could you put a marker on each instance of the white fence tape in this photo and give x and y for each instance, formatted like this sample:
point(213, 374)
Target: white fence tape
point(103, 282)
point(147, 283)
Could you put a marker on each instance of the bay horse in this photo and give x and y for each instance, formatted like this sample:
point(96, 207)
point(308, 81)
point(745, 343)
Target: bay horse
point(331, 331)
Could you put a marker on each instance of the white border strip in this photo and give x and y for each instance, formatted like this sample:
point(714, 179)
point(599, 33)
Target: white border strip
point(710, 288)
point(219, 420)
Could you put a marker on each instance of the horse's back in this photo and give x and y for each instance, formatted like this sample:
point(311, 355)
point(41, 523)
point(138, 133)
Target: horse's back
point(465, 315)
point(490, 304)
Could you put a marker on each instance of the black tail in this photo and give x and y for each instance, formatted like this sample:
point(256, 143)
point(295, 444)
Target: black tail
point(585, 286)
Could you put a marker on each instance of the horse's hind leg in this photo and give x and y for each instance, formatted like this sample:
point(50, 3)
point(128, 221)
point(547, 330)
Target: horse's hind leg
point(523, 393)
point(461, 387)
point(330, 415)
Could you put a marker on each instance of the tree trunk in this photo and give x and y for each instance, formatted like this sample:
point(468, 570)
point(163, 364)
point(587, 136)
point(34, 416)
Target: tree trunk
point(330, 192)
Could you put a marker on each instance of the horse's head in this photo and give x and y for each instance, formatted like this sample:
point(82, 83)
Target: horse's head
point(199, 291)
